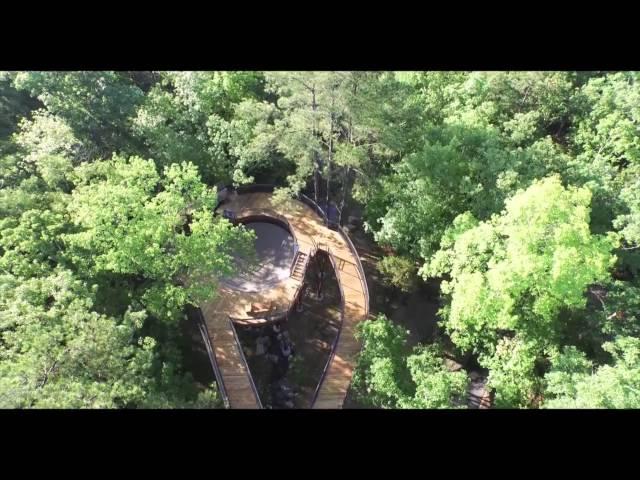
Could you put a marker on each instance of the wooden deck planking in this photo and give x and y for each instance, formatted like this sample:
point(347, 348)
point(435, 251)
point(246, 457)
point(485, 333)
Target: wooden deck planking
point(309, 230)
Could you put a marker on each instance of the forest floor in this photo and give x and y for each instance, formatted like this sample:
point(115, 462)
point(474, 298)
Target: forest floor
point(415, 311)
point(195, 356)
point(311, 332)
point(314, 330)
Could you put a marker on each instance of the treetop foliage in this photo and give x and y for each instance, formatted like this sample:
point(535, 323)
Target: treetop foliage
point(517, 191)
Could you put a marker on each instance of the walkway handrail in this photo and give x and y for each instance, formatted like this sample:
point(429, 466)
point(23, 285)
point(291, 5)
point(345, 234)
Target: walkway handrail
point(305, 199)
point(204, 332)
point(335, 341)
point(244, 361)
point(314, 244)
point(261, 321)
point(363, 278)
point(296, 251)
point(268, 215)
point(269, 188)
point(249, 188)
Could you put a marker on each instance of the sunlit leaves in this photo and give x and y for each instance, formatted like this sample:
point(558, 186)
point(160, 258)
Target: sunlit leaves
point(57, 353)
point(574, 383)
point(391, 375)
point(132, 221)
point(516, 273)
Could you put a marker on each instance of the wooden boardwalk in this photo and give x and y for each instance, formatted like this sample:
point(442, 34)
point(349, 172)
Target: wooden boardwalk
point(310, 232)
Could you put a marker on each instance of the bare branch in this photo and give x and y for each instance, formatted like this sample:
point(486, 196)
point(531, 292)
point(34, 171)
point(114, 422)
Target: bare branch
point(47, 373)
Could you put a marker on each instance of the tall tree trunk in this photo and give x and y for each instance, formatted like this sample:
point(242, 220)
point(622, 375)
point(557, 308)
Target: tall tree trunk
point(345, 189)
point(329, 158)
point(347, 169)
point(316, 179)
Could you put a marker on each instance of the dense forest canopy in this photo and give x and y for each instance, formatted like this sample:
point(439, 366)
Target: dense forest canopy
point(519, 192)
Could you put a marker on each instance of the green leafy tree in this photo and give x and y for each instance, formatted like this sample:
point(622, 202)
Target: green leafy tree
point(399, 272)
point(435, 385)
point(253, 142)
point(381, 377)
point(512, 373)
point(390, 375)
point(48, 148)
point(629, 223)
point(14, 105)
point(573, 382)
point(525, 106)
point(517, 273)
point(299, 128)
point(98, 106)
point(158, 229)
point(188, 116)
point(606, 145)
point(57, 353)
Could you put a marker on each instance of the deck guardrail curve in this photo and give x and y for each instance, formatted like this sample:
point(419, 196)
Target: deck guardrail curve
point(269, 188)
point(363, 277)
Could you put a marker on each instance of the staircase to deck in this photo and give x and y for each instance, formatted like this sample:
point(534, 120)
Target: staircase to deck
point(299, 265)
point(479, 397)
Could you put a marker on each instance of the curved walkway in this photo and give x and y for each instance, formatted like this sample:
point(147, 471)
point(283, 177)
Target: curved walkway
point(310, 232)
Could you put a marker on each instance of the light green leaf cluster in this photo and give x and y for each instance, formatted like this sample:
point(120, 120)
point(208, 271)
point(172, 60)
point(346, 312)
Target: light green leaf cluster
point(515, 274)
point(573, 382)
point(390, 375)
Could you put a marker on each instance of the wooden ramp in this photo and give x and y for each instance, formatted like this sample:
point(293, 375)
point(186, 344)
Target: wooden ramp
point(310, 232)
point(337, 378)
point(238, 384)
